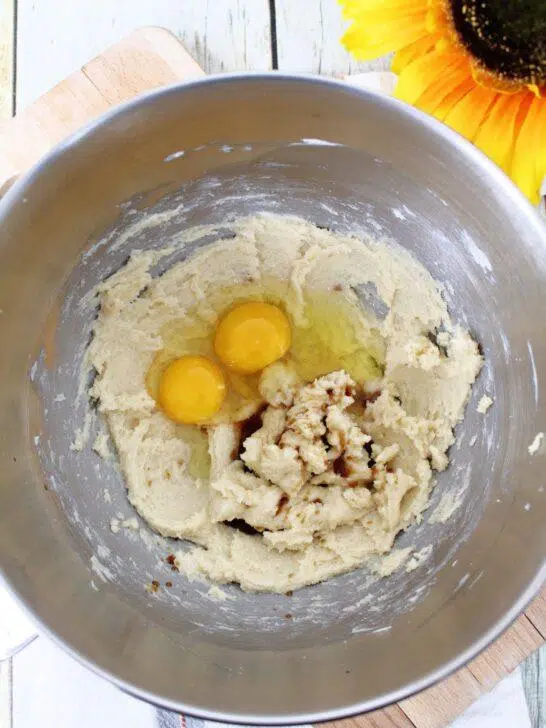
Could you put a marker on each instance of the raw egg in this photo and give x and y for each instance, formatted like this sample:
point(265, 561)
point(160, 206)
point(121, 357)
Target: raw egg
point(252, 336)
point(191, 389)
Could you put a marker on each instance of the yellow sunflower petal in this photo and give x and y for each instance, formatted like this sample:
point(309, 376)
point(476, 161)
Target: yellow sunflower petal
point(468, 114)
point(419, 75)
point(352, 9)
point(446, 104)
point(393, 16)
point(439, 17)
point(528, 163)
point(367, 41)
point(446, 80)
point(541, 151)
point(412, 52)
point(497, 134)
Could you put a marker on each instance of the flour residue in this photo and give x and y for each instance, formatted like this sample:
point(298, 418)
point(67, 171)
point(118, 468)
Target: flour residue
point(534, 447)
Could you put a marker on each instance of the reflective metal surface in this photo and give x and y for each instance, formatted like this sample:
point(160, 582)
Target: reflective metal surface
point(340, 157)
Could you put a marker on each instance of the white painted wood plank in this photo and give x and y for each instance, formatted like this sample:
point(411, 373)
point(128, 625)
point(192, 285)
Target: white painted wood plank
point(503, 707)
point(308, 39)
point(6, 694)
point(52, 690)
point(7, 25)
point(534, 683)
point(56, 37)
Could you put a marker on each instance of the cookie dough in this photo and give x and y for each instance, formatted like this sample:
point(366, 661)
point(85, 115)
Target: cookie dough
point(335, 464)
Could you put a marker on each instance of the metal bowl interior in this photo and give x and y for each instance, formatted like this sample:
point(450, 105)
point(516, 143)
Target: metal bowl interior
point(204, 153)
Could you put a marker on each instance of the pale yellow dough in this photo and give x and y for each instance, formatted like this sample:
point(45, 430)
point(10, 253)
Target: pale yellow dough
point(328, 481)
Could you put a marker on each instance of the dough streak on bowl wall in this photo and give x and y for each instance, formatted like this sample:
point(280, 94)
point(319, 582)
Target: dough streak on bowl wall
point(312, 466)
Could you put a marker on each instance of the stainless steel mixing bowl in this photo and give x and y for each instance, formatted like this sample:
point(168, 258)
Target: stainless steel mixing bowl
point(342, 158)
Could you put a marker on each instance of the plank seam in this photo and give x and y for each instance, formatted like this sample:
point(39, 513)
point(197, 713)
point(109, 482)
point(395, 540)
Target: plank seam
point(407, 716)
point(88, 77)
point(273, 35)
point(488, 687)
point(534, 626)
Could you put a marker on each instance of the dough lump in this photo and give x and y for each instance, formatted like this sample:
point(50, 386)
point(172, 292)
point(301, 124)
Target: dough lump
point(336, 467)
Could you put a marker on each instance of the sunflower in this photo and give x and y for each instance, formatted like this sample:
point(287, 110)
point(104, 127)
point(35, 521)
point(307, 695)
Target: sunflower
point(477, 65)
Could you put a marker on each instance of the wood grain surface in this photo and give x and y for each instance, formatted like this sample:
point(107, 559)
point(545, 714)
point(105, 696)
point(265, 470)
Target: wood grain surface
point(53, 40)
point(148, 58)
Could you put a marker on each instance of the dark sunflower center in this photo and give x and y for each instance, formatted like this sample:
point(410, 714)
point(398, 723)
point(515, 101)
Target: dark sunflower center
point(508, 37)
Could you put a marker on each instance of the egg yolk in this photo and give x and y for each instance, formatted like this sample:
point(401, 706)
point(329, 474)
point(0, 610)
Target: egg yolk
point(252, 336)
point(191, 389)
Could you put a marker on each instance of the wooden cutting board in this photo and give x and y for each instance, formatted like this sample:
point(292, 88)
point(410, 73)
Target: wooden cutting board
point(149, 58)
point(146, 59)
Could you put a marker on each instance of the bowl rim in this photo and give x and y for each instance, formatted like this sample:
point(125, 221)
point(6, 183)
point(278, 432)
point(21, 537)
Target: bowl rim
point(512, 196)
